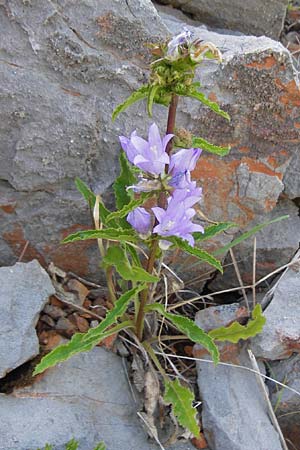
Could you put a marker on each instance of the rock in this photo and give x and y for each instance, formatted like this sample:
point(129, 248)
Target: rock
point(66, 327)
point(86, 398)
point(287, 403)
point(227, 423)
point(24, 290)
point(275, 246)
point(281, 334)
point(54, 311)
point(84, 59)
point(258, 17)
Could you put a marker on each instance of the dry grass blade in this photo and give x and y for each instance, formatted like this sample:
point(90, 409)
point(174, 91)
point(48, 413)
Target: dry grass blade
point(266, 397)
point(237, 271)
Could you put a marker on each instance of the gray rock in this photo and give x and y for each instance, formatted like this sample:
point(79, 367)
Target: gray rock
point(24, 291)
point(64, 67)
point(281, 334)
point(287, 403)
point(86, 398)
point(234, 414)
point(257, 17)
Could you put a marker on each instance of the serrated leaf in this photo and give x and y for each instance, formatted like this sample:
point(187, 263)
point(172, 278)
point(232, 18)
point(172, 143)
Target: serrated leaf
point(181, 399)
point(248, 234)
point(200, 254)
point(212, 231)
point(125, 179)
point(117, 257)
point(90, 197)
point(134, 203)
point(189, 328)
point(112, 234)
point(137, 95)
point(81, 342)
point(236, 331)
point(151, 95)
point(211, 148)
point(210, 104)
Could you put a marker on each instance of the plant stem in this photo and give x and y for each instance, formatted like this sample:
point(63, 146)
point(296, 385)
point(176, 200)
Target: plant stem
point(161, 203)
point(154, 358)
point(110, 284)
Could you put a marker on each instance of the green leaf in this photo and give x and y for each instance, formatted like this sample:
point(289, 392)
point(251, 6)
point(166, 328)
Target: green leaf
point(125, 179)
point(90, 197)
point(236, 331)
point(205, 101)
point(212, 231)
point(248, 234)
point(112, 234)
point(137, 95)
point(117, 257)
point(200, 254)
point(211, 148)
point(151, 95)
point(181, 399)
point(134, 203)
point(100, 446)
point(81, 342)
point(72, 445)
point(189, 328)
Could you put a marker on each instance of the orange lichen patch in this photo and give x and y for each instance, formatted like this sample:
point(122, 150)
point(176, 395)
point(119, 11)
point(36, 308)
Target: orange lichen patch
point(291, 96)
point(71, 92)
point(266, 266)
point(9, 208)
point(297, 124)
point(266, 64)
point(212, 96)
point(244, 149)
point(105, 22)
point(258, 166)
point(230, 353)
point(269, 205)
point(17, 242)
point(284, 152)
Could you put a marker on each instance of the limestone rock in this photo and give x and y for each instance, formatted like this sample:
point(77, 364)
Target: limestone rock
point(281, 334)
point(257, 17)
point(24, 291)
point(87, 398)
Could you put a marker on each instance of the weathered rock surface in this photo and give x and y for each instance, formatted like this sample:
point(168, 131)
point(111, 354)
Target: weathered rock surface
point(234, 414)
point(86, 398)
point(64, 67)
point(275, 244)
point(24, 291)
point(281, 334)
point(258, 17)
point(287, 402)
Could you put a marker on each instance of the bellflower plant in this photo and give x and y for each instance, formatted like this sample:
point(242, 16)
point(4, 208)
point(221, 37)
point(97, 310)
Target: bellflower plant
point(157, 203)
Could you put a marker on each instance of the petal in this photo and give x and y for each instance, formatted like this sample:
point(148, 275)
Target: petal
point(154, 138)
point(166, 140)
point(159, 213)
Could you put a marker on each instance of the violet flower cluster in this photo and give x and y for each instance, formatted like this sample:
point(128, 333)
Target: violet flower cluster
point(151, 157)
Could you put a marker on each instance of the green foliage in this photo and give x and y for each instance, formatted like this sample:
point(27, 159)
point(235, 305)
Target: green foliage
point(111, 234)
point(151, 96)
point(181, 399)
point(125, 179)
point(200, 254)
point(235, 331)
point(211, 148)
point(189, 328)
point(73, 445)
point(248, 234)
point(117, 258)
point(81, 342)
point(137, 95)
point(90, 197)
point(212, 231)
point(193, 93)
point(134, 203)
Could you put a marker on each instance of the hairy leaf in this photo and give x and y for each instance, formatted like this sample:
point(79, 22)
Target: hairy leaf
point(189, 328)
point(200, 254)
point(117, 257)
point(81, 342)
point(151, 95)
point(205, 101)
point(236, 331)
point(134, 203)
point(211, 148)
point(125, 179)
point(181, 399)
point(137, 95)
point(212, 231)
point(248, 234)
point(111, 234)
